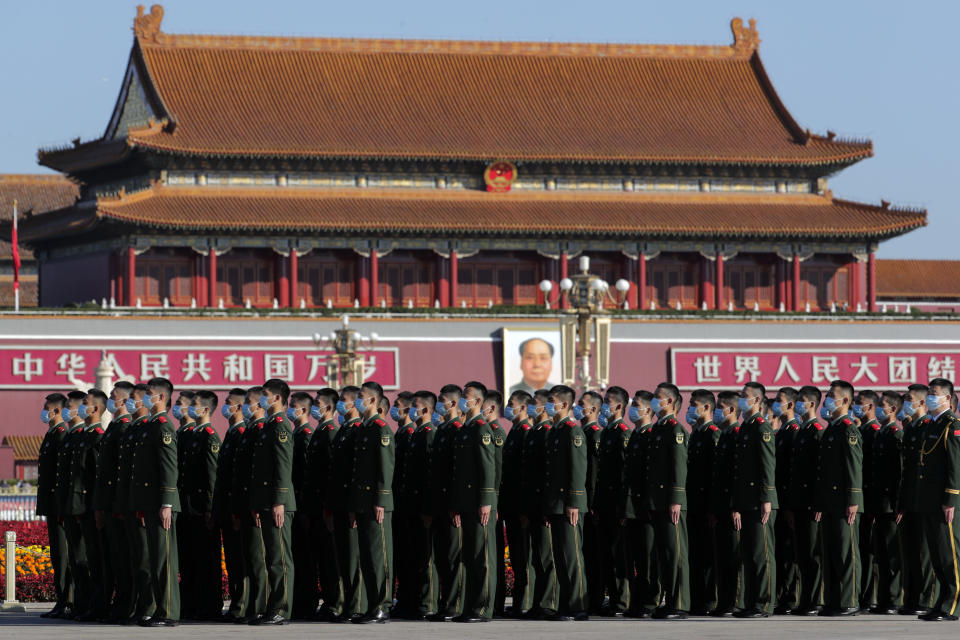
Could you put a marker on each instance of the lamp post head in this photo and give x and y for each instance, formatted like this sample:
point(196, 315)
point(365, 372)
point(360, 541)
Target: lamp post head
point(546, 286)
point(622, 285)
point(584, 264)
point(566, 284)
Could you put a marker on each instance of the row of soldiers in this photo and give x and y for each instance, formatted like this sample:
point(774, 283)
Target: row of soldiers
point(608, 504)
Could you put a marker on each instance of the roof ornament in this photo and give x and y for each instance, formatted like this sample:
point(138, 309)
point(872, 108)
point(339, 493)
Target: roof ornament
point(147, 27)
point(745, 38)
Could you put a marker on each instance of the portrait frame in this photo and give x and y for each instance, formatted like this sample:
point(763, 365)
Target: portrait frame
point(512, 338)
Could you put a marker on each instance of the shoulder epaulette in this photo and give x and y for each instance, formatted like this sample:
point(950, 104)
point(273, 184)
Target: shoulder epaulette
point(847, 422)
point(124, 419)
point(162, 419)
point(409, 429)
point(98, 430)
point(714, 427)
point(818, 426)
point(760, 419)
point(307, 430)
point(278, 419)
point(623, 426)
point(525, 426)
point(59, 430)
point(736, 429)
point(595, 427)
point(209, 430)
point(427, 427)
point(671, 422)
point(241, 429)
point(457, 424)
point(494, 425)
point(379, 422)
point(480, 422)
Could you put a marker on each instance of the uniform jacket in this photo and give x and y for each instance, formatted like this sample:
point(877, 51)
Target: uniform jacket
point(374, 457)
point(200, 471)
point(474, 467)
point(611, 491)
point(123, 502)
point(316, 471)
point(534, 460)
point(402, 473)
point(939, 484)
point(702, 449)
point(840, 480)
point(784, 439)
point(869, 432)
point(47, 470)
point(302, 435)
point(913, 437)
point(108, 465)
point(441, 467)
point(591, 433)
point(886, 470)
point(155, 470)
point(242, 463)
point(667, 465)
point(565, 469)
point(80, 477)
point(419, 462)
point(754, 466)
point(225, 469)
point(635, 491)
point(184, 438)
point(721, 487)
point(271, 474)
point(803, 466)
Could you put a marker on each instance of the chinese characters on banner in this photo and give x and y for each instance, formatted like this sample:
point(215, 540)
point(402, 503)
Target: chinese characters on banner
point(194, 368)
point(729, 368)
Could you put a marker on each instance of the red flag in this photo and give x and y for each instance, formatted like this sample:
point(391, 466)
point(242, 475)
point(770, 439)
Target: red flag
point(16, 250)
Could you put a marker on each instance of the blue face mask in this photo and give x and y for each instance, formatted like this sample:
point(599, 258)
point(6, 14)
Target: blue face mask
point(360, 405)
point(550, 408)
point(532, 410)
point(291, 414)
point(315, 413)
point(225, 411)
point(901, 415)
point(933, 402)
point(440, 409)
point(44, 415)
point(462, 405)
point(777, 408)
point(655, 405)
point(800, 407)
point(858, 411)
point(341, 419)
point(605, 410)
point(824, 413)
point(508, 412)
point(602, 421)
point(743, 405)
point(264, 403)
point(414, 415)
point(634, 413)
point(147, 400)
point(718, 415)
point(692, 416)
point(908, 409)
point(436, 419)
point(178, 412)
point(881, 414)
point(131, 405)
point(66, 414)
point(81, 411)
point(341, 407)
point(577, 412)
point(111, 406)
point(246, 411)
point(395, 414)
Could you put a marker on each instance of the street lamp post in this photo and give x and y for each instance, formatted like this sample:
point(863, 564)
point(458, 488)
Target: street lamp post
point(584, 323)
point(348, 364)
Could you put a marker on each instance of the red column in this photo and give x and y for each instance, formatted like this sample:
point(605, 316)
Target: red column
point(294, 278)
point(282, 288)
point(564, 273)
point(374, 277)
point(114, 276)
point(363, 281)
point(131, 277)
point(443, 281)
point(796, 283)
point(872, 283)
point(641, 281)
point(212, 279)
point(854, 284)
point(719, 280)
point(707, 294)
point(632, 291)
point(782, 284)
point(453, 278)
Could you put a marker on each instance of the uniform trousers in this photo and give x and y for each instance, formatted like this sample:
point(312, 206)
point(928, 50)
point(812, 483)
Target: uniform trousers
point(671, 544)
point(305, 550)
point(118, 574)
point(207, 572)
point(479, 564)
point(703, 576)
point(809, 558)
point(233, 558)
point(841, 560)
point(518, 539)
point(888, 552)
point(613, 561)
point(788, 576)
point(592, 562)
point(164, 565)
point(79, 565)
point(254, 566)
point(144, 602)
point(278, 560)
point(866, 544)
point(919, 583)
point(101, 592)
point(645, 594)
point(757, 548)
point(59, 560)
point(424, 591)
point(545, 587)
point(943, 539)
point(348, 562)
point(447, 547)
point(375, 541)
point(328, 564)
point(567, 541)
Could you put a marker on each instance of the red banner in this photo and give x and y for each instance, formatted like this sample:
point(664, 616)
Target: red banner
point(877, 369)
point(195, 367)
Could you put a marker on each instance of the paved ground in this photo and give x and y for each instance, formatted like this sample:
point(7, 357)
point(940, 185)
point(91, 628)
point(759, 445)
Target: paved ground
point(30, 625)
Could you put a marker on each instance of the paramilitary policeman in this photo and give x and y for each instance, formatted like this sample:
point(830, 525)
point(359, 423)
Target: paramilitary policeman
point(726, 536)
point(701, 451)
point(645, 594)
point(881, 501)
point(491, 412)
point(839, 496)
point(610, 505)
point(370, 504)
point(802, 500)
point(416, 485)
point(938, 496)
point(52, 414)
point(587, 412)
point(91, 411)
point(511, 500)
point(403, 526)
point(118, 573)
point(69, 508)
point(667, 501)
point(788, 578)
point(251, 537)
point(865, 410)
point(565, 501)
point(185, 551)
point(305, 595)
point(754, 503)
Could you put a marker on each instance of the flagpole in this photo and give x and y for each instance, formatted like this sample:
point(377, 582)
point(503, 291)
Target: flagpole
point(16, 253)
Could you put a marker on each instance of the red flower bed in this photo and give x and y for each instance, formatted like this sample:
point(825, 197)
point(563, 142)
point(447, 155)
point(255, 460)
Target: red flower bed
point(28, 533)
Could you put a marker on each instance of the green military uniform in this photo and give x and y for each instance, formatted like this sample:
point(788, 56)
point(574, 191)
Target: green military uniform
point(47, 506)
point(499, 555)
point(197, 495)
point(880, 500)
point(545, 596)
point(610, 506)
point(474, 485)
point(142, 604)
point(804, 463)
point(754, 482)
point(271, 484)
point(509, 509)
point(405, 523)
point(642, 572)
point(154, 485)
point(186, 551)
point(565, 487)
point(223, 515)
point(840, 484)
point(726, 537)
point(920, 589)
point(938, 487)
point(869, 430)
point(414, 493)
point(118, 572)
point(374, 458)
point(788, 578)
point(666, 486)
point(336, 497)
point(447, 538)
point(251, 536)
point(324, 557)
point(591, 522)
point(305, 594)
point(703, 577)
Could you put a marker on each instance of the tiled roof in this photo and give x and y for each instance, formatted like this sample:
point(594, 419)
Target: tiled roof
point(918, 279)
point(478, 101)
point(516, 213)
point(25, 448)
point(35, 194)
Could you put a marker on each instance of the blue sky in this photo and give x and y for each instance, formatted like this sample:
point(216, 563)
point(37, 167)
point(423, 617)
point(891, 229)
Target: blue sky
point(881, 70)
